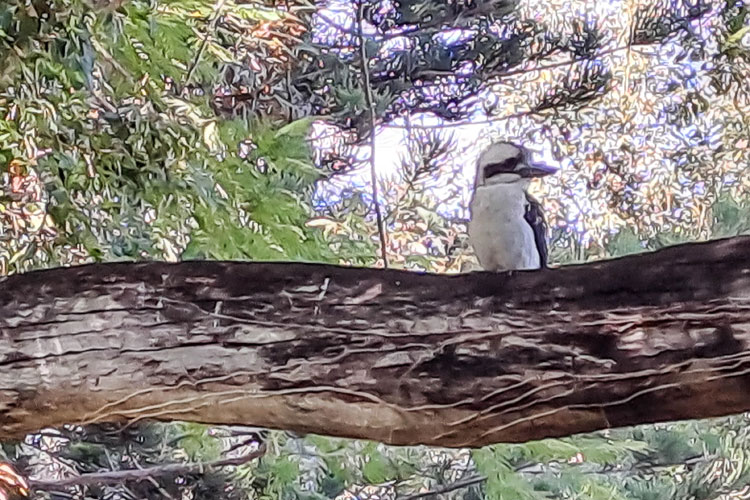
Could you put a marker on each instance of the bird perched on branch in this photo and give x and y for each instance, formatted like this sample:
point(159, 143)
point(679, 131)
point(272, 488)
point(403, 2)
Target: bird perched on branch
point(507, 227)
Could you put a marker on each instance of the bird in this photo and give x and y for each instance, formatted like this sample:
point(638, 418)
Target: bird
point(507, 228)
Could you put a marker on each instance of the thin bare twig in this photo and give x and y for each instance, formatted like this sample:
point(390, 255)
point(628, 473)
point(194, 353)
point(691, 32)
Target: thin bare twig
point(144, 474)
point(471, 481)
point(211, 27)
point(371, 111)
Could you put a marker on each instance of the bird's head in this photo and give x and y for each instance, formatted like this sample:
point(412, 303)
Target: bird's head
point(505, 162)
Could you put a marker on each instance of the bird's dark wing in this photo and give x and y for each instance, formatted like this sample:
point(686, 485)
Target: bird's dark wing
point(535, 217)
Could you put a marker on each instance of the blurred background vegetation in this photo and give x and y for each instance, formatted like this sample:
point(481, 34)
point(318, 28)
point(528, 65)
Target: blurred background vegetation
point(187, 129)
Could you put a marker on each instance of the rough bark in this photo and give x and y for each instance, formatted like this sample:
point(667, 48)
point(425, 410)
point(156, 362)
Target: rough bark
point(394, 356)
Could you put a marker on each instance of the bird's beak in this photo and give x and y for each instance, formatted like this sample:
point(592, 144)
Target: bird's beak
point(537, 170)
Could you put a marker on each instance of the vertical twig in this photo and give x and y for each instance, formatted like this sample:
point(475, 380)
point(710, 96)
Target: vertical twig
point(631, 36)
point(290, 115)
point(211, 27)
point(371, 111)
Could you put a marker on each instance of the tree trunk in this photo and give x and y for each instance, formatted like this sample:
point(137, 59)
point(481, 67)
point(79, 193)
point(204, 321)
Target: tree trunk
point(399, 357)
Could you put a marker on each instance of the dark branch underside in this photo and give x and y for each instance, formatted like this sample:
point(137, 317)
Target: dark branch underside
point(394, 356)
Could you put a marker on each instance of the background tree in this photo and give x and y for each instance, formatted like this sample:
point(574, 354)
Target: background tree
point(618, 95)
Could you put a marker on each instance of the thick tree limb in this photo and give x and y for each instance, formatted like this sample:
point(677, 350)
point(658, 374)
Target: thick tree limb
point(393, 356)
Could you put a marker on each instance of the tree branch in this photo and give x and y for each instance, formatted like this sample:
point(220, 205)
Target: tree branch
point(216, 15)
point(393, 356)
point(372, 136)
point(120, 476)
point(457, 485)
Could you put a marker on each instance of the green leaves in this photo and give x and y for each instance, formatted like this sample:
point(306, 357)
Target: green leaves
point(730, 217)
point(132, 167)
point(502, 482)
point(296, 130)
point(377, 469)
point(196, 440)
point(256, 207)
point(571, 468)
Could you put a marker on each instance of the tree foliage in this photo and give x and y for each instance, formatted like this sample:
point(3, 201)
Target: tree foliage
point(110, 154)
point(639, 102)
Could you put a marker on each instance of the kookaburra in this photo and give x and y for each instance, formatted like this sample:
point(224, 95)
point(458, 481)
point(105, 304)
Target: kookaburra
point(507, 228)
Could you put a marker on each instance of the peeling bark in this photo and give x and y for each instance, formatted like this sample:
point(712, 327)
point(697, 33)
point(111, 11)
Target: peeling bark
point(394, 356)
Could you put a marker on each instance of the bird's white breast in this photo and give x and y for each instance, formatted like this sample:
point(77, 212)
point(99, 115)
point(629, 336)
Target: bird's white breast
point(501, 237)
